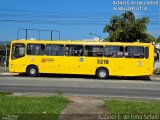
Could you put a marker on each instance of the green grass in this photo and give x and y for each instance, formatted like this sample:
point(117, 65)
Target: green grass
point(3, 93)
point(31, 108)
point(132, 107)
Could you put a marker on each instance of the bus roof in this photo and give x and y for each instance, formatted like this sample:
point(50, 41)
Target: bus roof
point(81, 42)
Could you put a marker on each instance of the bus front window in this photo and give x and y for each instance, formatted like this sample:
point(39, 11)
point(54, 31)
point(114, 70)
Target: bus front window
point(18, 50)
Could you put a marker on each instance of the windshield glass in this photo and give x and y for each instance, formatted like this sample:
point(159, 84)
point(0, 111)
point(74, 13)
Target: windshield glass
point(18, 50)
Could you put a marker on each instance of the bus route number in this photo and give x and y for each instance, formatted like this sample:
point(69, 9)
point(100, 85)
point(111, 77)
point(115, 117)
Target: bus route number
point(101, 61)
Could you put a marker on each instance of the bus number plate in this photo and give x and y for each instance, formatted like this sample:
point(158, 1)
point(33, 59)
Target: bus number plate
point(101, 61)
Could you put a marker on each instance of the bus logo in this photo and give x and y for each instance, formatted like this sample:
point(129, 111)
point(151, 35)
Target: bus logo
point(43, 60)
point(139, 63)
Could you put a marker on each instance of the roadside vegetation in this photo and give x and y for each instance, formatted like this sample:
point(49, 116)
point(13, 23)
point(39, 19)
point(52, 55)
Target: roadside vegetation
point(31, 108)
point(128, 28)
point(134, 109)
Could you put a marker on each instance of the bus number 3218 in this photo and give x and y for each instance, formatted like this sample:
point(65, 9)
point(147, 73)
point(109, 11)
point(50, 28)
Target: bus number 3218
point(101, 61)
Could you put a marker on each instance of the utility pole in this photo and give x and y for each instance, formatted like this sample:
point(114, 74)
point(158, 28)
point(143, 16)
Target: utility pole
point(5, 58)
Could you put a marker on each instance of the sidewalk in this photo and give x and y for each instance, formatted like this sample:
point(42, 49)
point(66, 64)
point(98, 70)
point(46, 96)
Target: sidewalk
point(2, 69)
point(83, 108)
point(155, 77)
point(6, 72)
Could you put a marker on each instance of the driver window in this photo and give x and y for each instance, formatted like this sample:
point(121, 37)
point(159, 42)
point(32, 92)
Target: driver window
point(18, 50)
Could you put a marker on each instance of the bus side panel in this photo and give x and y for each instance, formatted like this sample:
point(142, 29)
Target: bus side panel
point(134, 67)
point(17, 65)
point(55, 64)
point(71, 65)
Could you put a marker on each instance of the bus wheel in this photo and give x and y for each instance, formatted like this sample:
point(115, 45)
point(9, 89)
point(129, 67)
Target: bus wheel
point(102, 73)
point(32, 71)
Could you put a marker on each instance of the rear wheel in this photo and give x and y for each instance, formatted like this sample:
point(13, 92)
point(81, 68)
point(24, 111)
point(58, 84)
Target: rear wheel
point(32, 71)
point(102, 73)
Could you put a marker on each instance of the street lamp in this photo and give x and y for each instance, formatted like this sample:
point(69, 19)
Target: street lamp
point(95, 35)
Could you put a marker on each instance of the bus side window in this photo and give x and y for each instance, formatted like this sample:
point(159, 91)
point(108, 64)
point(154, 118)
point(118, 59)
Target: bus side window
point(114, 51)
point(74, 50)
point(94, 51)
point(54, 50)
point(35, 49)
point(134, 52)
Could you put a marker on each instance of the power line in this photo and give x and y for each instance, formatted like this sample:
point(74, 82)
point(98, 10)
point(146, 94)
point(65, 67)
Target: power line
point(42, 12)
point(83, 18)
point(49, 12)
point(64, 16)
point(63, 22)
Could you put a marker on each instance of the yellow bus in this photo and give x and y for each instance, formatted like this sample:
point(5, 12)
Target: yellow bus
point(102, 59)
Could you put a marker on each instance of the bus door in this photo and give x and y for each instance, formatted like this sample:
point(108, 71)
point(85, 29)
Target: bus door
point(54, 58)
point(17, 61)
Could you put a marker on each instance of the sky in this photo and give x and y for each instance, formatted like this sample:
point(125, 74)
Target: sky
point(73, 19)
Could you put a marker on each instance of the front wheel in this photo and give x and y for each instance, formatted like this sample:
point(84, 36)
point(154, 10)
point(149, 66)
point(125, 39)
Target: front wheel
point(102, 73)
point(32, 71)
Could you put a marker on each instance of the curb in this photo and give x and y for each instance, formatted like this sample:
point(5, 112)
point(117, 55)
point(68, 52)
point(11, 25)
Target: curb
point(10, 74)
point(7, 73)
point(155, 78)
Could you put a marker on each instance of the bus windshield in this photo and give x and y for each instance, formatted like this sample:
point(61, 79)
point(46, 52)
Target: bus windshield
point(18, 50)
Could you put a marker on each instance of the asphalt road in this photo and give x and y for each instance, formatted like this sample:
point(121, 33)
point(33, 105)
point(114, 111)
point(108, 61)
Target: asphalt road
point(83, 85)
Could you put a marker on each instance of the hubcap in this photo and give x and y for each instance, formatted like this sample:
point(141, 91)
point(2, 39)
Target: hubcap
point(102, 74)
point(32, 71)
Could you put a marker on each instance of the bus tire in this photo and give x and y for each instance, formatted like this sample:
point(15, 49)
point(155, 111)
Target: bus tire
point(32, 71)
point(102, 73)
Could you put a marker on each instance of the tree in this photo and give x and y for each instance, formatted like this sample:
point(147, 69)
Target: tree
point(158, 40)
point(126, 28)
point(107, 39)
